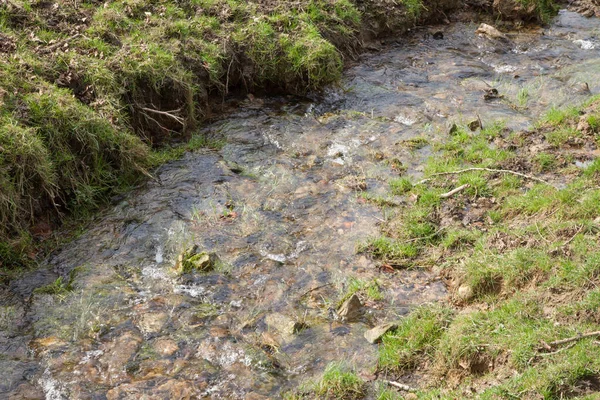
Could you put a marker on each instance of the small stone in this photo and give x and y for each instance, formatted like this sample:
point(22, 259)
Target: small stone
point(350, 309)
point(284, 324)
point(465, 292)
point(374, 335)
point(491, 94)
point(439, 35)
point(452, 129)
point(474, 125)
point(165, 347)
point(152, 323)
point(490, 31)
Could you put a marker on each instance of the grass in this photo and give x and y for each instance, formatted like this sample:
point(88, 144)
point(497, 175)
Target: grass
point(524, 270)
point(371, 290)
point(338, 382)
point(415, 337)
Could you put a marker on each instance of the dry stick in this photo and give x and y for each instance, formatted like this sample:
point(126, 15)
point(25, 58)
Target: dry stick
point(168, 114)
point(59, 44)
point(574, 338)
point(402, 386)
point(502, 171)
point(454, 191)
point(559, 350)
point(573, 237)
point(316, 288)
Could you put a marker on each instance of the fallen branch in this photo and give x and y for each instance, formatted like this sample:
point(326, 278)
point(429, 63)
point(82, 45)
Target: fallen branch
point(454, 191)
point(501, 171)
point(401, 386)
point(574, 338)
point(59, 44)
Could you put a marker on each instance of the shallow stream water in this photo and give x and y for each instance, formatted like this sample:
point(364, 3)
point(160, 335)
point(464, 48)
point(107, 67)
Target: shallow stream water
point(286, 225)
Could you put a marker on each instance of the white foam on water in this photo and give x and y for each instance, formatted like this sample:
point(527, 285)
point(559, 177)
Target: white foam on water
point(585, 44)
point(190, 290)
point(52, 388)
point(159, 254)
point(404, 120)
point(503, 69)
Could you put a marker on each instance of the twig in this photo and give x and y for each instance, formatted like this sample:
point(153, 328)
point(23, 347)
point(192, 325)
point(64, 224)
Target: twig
point(559, 350)
point(501, 171)
point(454, 191)
point(402, 386)
point(59, 44)
point(540, 233)
point(573, 237)
point(157, 123)
point(166, 113)
point(316, 288)
point(574, 338)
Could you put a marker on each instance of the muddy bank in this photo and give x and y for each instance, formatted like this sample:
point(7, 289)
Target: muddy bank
point(285, 205)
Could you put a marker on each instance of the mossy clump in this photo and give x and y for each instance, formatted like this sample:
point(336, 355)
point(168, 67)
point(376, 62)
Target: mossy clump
point(192, 260)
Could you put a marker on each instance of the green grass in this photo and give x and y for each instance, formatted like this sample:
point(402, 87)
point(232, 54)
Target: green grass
point(338, 382)
point(371, 290)
point(415, 338)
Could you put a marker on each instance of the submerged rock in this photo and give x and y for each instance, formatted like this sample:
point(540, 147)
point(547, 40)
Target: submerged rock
point(152, 323)
point(351, 309)
point(374, 335)
point(192, 260)
point(284, 324)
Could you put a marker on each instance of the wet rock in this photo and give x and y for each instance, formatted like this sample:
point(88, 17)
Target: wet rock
point(284, 324)
point(491, 94)
point(351, 309)
point(452, 129)
point(374, 335)
point(464, 292)
point(27, 391)
point(439, 35)
point(152, 322)
point(165, 347)
point(474, 125)
point(490, 31)
point(171, 389)
point(116, 355)
point(43, 345)
point(192, 260)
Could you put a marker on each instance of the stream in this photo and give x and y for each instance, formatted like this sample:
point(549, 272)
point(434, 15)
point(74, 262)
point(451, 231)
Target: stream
point(283, 206)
